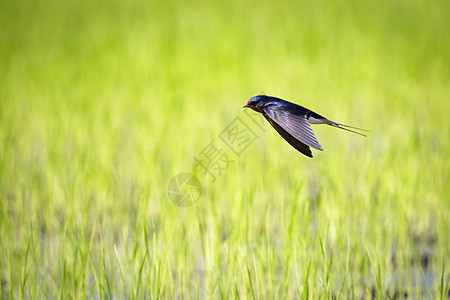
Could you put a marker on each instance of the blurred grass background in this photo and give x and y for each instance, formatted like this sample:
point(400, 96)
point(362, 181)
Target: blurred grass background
point(103, 102)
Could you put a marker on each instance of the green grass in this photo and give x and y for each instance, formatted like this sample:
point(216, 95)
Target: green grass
point(102, 103)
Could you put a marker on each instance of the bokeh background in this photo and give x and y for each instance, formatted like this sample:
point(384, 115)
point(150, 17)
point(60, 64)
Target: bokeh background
point(103, 102)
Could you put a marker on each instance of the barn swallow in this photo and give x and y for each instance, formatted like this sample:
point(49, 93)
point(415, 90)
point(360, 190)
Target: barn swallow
point(293, 122)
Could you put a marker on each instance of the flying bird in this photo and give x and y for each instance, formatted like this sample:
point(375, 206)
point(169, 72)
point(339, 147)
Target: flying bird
point(293, 122)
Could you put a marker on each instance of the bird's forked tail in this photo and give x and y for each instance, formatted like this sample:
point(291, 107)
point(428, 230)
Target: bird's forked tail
point(346, 127)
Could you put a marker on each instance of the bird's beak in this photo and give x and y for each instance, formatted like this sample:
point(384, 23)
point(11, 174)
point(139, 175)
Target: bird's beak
point(246, 105)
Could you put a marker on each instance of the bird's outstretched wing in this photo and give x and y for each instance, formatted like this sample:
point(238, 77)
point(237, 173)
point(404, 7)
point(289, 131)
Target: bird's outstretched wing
point(296, 125)
point(290, 139)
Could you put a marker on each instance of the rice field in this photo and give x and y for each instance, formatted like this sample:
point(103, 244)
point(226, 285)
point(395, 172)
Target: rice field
point(104, 103)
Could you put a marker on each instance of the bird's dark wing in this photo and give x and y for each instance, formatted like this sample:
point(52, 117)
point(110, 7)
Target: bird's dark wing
point(290, 139)
point(295, 124)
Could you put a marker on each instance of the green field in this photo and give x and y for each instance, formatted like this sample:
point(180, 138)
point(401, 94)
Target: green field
point(103, 102)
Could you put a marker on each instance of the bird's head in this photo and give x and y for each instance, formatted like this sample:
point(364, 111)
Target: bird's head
point(257, 103)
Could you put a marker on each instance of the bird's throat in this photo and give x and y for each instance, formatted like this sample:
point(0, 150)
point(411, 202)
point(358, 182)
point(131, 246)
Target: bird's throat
point(255, 108)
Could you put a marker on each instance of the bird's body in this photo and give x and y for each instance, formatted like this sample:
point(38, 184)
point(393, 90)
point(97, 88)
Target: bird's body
point(293, 121)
